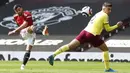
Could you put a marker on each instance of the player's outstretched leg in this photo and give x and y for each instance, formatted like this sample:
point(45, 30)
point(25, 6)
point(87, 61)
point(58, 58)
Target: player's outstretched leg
point(45, 31)
point(33, 29)
point(58, 51)
point(73, 44)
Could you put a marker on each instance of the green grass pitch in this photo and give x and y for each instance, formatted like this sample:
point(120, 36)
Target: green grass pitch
point(61, 67)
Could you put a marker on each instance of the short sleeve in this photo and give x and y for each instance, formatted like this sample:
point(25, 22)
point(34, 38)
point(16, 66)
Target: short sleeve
point(27, 16)
point(15, 17)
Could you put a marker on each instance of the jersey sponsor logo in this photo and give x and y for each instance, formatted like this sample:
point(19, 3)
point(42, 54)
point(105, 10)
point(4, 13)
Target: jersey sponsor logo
point(37, 42)
point(44, 16)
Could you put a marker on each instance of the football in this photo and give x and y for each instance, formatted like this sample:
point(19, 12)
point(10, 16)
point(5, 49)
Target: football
point(87, 11)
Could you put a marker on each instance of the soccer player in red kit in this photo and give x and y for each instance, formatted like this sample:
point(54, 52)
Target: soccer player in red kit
point(26, 29)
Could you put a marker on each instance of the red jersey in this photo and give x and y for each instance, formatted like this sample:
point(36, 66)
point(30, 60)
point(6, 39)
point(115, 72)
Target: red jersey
point(27, 16)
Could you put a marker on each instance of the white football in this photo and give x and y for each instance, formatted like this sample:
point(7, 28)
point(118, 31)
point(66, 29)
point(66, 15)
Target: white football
point(87, 10)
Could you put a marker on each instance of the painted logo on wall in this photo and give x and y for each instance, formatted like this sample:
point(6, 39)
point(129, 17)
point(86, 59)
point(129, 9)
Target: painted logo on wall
point(44, 16)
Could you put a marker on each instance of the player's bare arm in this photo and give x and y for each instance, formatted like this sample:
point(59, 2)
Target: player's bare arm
point(19, 28)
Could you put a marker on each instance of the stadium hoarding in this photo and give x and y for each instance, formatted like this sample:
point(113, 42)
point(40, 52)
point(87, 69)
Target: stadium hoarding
point(51, 43)
point(67, 56)
point(54, 42)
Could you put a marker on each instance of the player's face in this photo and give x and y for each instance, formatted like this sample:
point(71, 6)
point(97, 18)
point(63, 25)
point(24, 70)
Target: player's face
point(108, 10)
point(19, 11)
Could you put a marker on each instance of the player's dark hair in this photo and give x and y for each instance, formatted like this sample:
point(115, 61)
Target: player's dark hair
point(107, 4)
point(16, 6)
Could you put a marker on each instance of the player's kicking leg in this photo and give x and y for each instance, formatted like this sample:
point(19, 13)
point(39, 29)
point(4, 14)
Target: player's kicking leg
point(104, 48)
point(45, 31)
point(32, 29)
point(73, 44)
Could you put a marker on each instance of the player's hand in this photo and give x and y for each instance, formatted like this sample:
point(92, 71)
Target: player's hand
point(119, 24)
point(11, 32)
point(87, 11)
point(45, 31)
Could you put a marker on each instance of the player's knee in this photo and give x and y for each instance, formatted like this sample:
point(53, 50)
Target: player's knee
point(30, 29)
point(71, 46)
point(74, 44)
point(103, 47)
point(30, 44)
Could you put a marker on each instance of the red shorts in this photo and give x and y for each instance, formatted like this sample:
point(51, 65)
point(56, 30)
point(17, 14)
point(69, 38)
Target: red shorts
point(86, 37)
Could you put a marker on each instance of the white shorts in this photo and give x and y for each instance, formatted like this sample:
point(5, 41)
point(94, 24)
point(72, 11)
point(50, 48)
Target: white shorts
point(28, 37)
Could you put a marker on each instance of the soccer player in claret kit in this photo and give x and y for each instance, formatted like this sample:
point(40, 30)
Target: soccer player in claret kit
point(91, 34)
point(26, 29)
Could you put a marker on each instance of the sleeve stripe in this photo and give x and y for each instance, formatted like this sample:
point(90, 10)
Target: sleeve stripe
point(29, 16)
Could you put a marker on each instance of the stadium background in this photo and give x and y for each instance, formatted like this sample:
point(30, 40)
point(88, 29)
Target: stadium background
point(62, 32)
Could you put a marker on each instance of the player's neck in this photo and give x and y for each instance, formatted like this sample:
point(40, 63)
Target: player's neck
point(105, 12)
